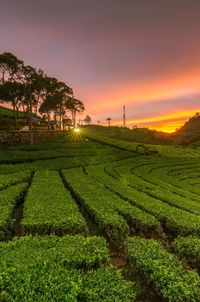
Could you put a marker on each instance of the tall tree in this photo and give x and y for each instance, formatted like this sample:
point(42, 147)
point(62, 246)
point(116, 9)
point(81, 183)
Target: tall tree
point(29, 80)
point(10, 67)
point(61, 95)
point(87, 119)
point(11, 90)
point(49, 101)
point(109, 120)
point(74, 106)
point(55, 94)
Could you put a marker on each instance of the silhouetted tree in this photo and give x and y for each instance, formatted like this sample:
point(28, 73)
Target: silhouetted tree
point(87, 119)
point(109, 120)
point(74, 106)
point(24, 86)
point(11, 90)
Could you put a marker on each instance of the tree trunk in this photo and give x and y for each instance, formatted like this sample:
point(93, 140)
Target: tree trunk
point(48, 118)
point(14, 114)
point(17, 112)
point(30, 120)
point(74, 118)
point(23, 106)
point(60, 122)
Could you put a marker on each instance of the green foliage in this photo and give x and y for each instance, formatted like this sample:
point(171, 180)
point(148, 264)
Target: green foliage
point(6, 112)
point(71, 251)
point(107, 285)
point(161, 150)
point(174, 283)
point(13, 179)
point(47, 210)
point(137, 218)
point(8, 199)
point(141, 135)
point(52, 268)
point(101, 206)
point(189, 248)
point(139, 178)
point(25, 156)
point(123, 192)
point(189, 132)
point(43, 282)
point(174, 219)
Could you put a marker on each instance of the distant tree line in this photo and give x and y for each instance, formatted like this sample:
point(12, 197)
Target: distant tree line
point(31, 91)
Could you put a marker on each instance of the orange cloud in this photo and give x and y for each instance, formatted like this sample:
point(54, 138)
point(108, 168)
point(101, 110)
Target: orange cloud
point(167, 123)
point(142, 91)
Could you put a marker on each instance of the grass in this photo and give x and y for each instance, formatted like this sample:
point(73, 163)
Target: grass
point(7, 112)
point(141, 204)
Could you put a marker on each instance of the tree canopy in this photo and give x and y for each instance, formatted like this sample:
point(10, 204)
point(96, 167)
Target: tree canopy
point(29, 89)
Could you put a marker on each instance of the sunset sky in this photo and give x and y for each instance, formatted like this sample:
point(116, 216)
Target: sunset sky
point(141, 53)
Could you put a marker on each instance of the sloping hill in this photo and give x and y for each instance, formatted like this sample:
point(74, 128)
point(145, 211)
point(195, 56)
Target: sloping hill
point(142, 135)
point(6, 112)
point(189, 133)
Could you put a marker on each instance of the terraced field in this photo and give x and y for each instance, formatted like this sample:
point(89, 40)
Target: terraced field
point(88, 218)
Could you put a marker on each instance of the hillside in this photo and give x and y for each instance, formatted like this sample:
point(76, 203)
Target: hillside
point(189, 133)
point(6, 112)
point(142, 135)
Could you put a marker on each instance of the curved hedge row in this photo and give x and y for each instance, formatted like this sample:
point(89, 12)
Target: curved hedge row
point(189, 248)
point(173, 282)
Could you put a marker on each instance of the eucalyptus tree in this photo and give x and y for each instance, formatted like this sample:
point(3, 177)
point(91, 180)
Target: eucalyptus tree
point(74, 106)
point(22, 85)
point(55, 94)
point(49, 101)
point(11, 89)
point(67, 122)
point(13, 92)
point(61, 95)
point(29, 80)
point(10, 68)
point(39, 90)
point(87, 119)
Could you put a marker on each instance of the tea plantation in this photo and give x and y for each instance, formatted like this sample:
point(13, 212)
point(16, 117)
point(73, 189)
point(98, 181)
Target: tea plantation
point(89, 218)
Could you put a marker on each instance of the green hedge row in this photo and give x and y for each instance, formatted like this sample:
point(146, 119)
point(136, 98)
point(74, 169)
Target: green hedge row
point(53, 145)
point(51, 269)
point(8, 200)
point(110, 212)
point(155, 174)
point(70, 251)
point(164, 151)
point(22, 156)
point(189, 248)
point(177, 221)
point(144, 183)
point(140, 219)
point(98, 202)
point(172, 281)
point(49, 207)
point(13, 179)
point(173, 173)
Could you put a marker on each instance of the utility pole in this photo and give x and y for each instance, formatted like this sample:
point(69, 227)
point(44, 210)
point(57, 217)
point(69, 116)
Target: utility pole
point(124, 116)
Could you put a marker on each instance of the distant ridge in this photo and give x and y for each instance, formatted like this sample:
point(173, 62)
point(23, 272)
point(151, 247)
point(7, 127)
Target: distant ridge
point(189, 133)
